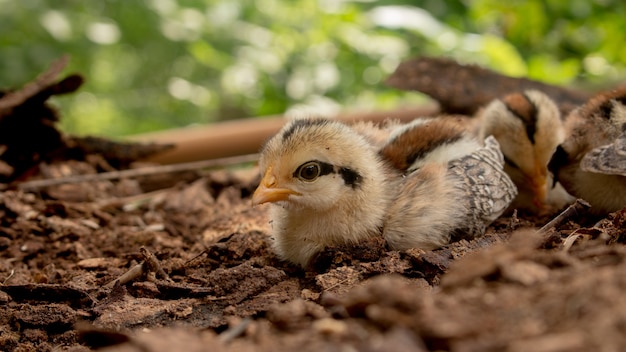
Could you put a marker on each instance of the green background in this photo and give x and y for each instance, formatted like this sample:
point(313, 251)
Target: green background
point(158, 64)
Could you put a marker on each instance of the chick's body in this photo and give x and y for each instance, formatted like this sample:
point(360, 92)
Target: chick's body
point(419, 185)
point(591, 162)
point(443, 202)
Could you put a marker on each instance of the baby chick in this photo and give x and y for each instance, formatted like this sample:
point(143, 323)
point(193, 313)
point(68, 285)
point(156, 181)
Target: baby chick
point(591, 162)
point(528, 127)
point(452, 186)
point(420, 185)
point(328, 184)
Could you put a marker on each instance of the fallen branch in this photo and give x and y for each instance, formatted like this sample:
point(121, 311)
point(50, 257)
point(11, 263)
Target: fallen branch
point(153, 266)
point(43, 81)
point(577, 208)
point(235, 331)
point(131, 203)
point(244, 136)
point(463, 89)
point(134, 273)
point(144, 171)
point(4, 282)
point(150, 267)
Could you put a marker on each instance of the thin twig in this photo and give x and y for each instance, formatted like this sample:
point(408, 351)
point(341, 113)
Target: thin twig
point(336, 284)
point(576, 209)
point(569, 241)
point(144, 171)
point(153, 265)
point(235, 331)
point(128, 202)
point(8, 277)
point(150, 265)
point(132, 274)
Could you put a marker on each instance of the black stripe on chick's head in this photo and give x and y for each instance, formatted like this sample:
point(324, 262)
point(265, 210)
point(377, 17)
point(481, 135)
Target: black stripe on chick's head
point(522, 107)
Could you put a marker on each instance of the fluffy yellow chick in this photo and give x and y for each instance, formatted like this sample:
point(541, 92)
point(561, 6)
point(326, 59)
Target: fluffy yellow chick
point(529, 128)
point(419, 185)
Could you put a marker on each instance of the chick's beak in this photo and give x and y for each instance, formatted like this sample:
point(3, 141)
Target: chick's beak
point(269, 190)
point(539, 184)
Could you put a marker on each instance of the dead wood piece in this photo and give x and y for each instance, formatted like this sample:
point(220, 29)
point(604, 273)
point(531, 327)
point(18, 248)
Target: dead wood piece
point(134, 273)
point(145, 171)
point(463, 89)
point(4, 282)
point(576, 209)
point(153, 266)
point(27, 123)
point(41, 83)
point(150, 267)
point(247, 136)
point(24, 112)
point(235, 331)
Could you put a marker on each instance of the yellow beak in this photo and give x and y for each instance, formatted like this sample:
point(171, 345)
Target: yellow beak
point(268, 190)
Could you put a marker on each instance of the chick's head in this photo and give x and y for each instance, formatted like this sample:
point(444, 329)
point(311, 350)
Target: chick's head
point(314, 164)
point(599, 122)
point(528, 127)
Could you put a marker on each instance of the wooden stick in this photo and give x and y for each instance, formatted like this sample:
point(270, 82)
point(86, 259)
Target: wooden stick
point(144, 171)
point(463, 89)
point(18, 97)
point(4, 282)
point(152, 265)
point(223, 144)
point(577, 208)
point(235, 331)
point(133, 273)
point(247, 136)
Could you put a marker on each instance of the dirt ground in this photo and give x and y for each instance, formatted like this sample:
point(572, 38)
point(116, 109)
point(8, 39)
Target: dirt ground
point(210, 281)
point(180, 261)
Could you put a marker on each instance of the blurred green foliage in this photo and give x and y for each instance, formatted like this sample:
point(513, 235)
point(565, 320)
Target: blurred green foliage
point(156, 64)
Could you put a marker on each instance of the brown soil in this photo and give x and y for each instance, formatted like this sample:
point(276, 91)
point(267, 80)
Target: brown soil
point(210, 281)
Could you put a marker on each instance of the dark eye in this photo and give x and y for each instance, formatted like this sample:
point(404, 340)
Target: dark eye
point(309, 171)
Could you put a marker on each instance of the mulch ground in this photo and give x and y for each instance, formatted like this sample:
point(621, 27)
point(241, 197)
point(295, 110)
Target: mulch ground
point(180, 261)
point(207, 279)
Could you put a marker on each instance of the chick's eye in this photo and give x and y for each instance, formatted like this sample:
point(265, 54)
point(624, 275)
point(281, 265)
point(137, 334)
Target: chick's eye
point(309, 171)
